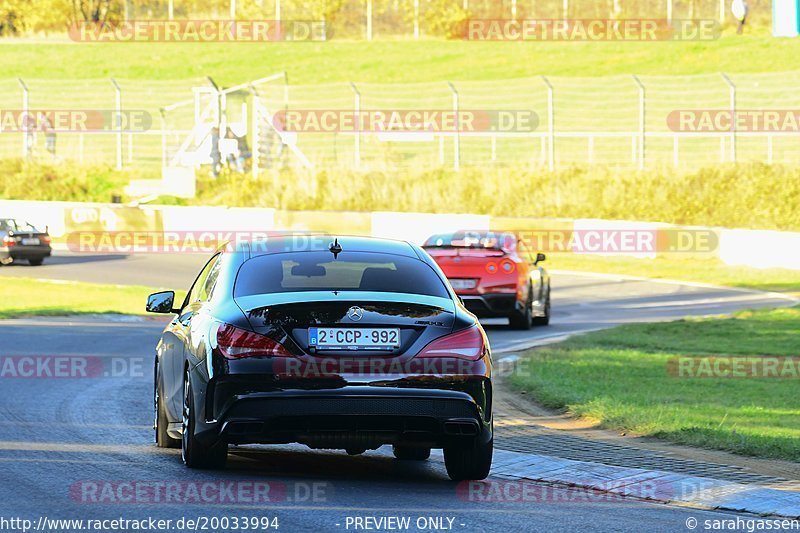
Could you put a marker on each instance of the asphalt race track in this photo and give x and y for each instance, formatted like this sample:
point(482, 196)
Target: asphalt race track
point(82, 447)
point(581, 302)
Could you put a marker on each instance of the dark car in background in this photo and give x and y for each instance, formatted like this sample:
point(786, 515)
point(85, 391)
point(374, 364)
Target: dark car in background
point(495, 274)
point(351, 344)
point(21, 240)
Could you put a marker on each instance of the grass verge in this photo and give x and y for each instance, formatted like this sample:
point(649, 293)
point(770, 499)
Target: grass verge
point(735, 196)
point(675, 267)
point(427, 60)
point(620, 377)
point(29, 297)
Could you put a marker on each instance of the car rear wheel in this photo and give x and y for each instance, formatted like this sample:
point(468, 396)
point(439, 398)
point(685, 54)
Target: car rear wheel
point(471, 462)
point(35, 262)
point(194, 453)
point(544, 320)
point(410, 453)
point(523, 319)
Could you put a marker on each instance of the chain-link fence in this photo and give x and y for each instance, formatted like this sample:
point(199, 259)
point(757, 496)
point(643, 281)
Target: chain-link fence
point(618, 121)
point(368, 19)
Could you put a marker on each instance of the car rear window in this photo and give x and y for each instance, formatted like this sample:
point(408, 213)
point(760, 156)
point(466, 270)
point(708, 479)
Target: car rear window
point(354, 271)
point(471, 239)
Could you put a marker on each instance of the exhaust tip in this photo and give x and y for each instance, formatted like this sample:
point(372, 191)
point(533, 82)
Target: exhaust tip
point(462, 428)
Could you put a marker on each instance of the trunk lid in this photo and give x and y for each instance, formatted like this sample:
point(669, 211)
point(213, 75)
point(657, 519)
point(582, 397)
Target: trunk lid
point(288, 316)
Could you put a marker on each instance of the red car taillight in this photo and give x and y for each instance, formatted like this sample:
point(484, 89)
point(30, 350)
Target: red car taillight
point(45, 239)
point(235, 343)
point(9, 241)
point(465, 344)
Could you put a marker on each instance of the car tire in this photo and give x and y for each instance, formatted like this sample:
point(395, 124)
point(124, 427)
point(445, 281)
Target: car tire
point(196, 454)
point(469, 463)
point(544, 320)
point(410, 453)
point(163, 440)
point(35, 262)
point(523, 319)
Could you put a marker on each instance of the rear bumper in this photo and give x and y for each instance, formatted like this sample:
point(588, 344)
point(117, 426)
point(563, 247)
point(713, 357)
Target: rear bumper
point(490, 305)
point(24, 252)
point(353, 416)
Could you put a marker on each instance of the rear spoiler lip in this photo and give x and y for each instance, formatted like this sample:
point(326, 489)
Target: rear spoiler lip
point(496, 252)
point(256, 301)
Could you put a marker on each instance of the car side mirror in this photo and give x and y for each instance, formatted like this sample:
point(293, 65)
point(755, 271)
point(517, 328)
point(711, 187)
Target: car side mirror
point(539, 258)
point(161, 302)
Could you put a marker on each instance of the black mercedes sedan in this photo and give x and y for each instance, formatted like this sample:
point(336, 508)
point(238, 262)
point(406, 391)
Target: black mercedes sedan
point(21, 240)
point(351, 344)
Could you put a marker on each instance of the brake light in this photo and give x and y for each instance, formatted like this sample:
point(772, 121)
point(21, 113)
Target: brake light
point(9, 241)
point(465, 344)
point(45, 239)
point(236, 343)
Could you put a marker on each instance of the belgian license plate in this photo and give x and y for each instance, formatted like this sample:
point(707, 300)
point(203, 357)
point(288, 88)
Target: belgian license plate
point(354, 338)
point(461, 284)
point(30, 242)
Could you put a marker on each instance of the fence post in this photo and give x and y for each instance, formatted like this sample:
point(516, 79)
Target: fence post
point(416, 19)
point(285, 91)
point(513, 9)
point(255, 124)
point(722, 11)
point(642, 117)
point(26, 148)
point(369, 20)
point(170, 10)
point(457, 138)
point(669, 12)
point(551, 131)
point(357, 108)
point(566, 9)
point(163, 113)
point(732, 89)
point(118, 121)
point(233, 9)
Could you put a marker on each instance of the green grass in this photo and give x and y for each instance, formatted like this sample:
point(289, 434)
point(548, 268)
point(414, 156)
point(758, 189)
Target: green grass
point(675, 267)
point(65, 181)
point(620, 378)
point(29, 297)
point(387, 61)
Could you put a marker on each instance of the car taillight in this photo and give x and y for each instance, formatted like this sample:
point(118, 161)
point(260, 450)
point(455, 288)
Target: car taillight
point(45, 239)
point(236, 343)
point(465, 344)
point(9, 241)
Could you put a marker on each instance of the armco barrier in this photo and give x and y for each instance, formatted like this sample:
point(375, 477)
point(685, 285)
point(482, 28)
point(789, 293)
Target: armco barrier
point(754, 248)
point(760, 249)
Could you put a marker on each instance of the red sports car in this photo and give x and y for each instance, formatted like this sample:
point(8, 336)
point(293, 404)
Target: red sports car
point(495, 274)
